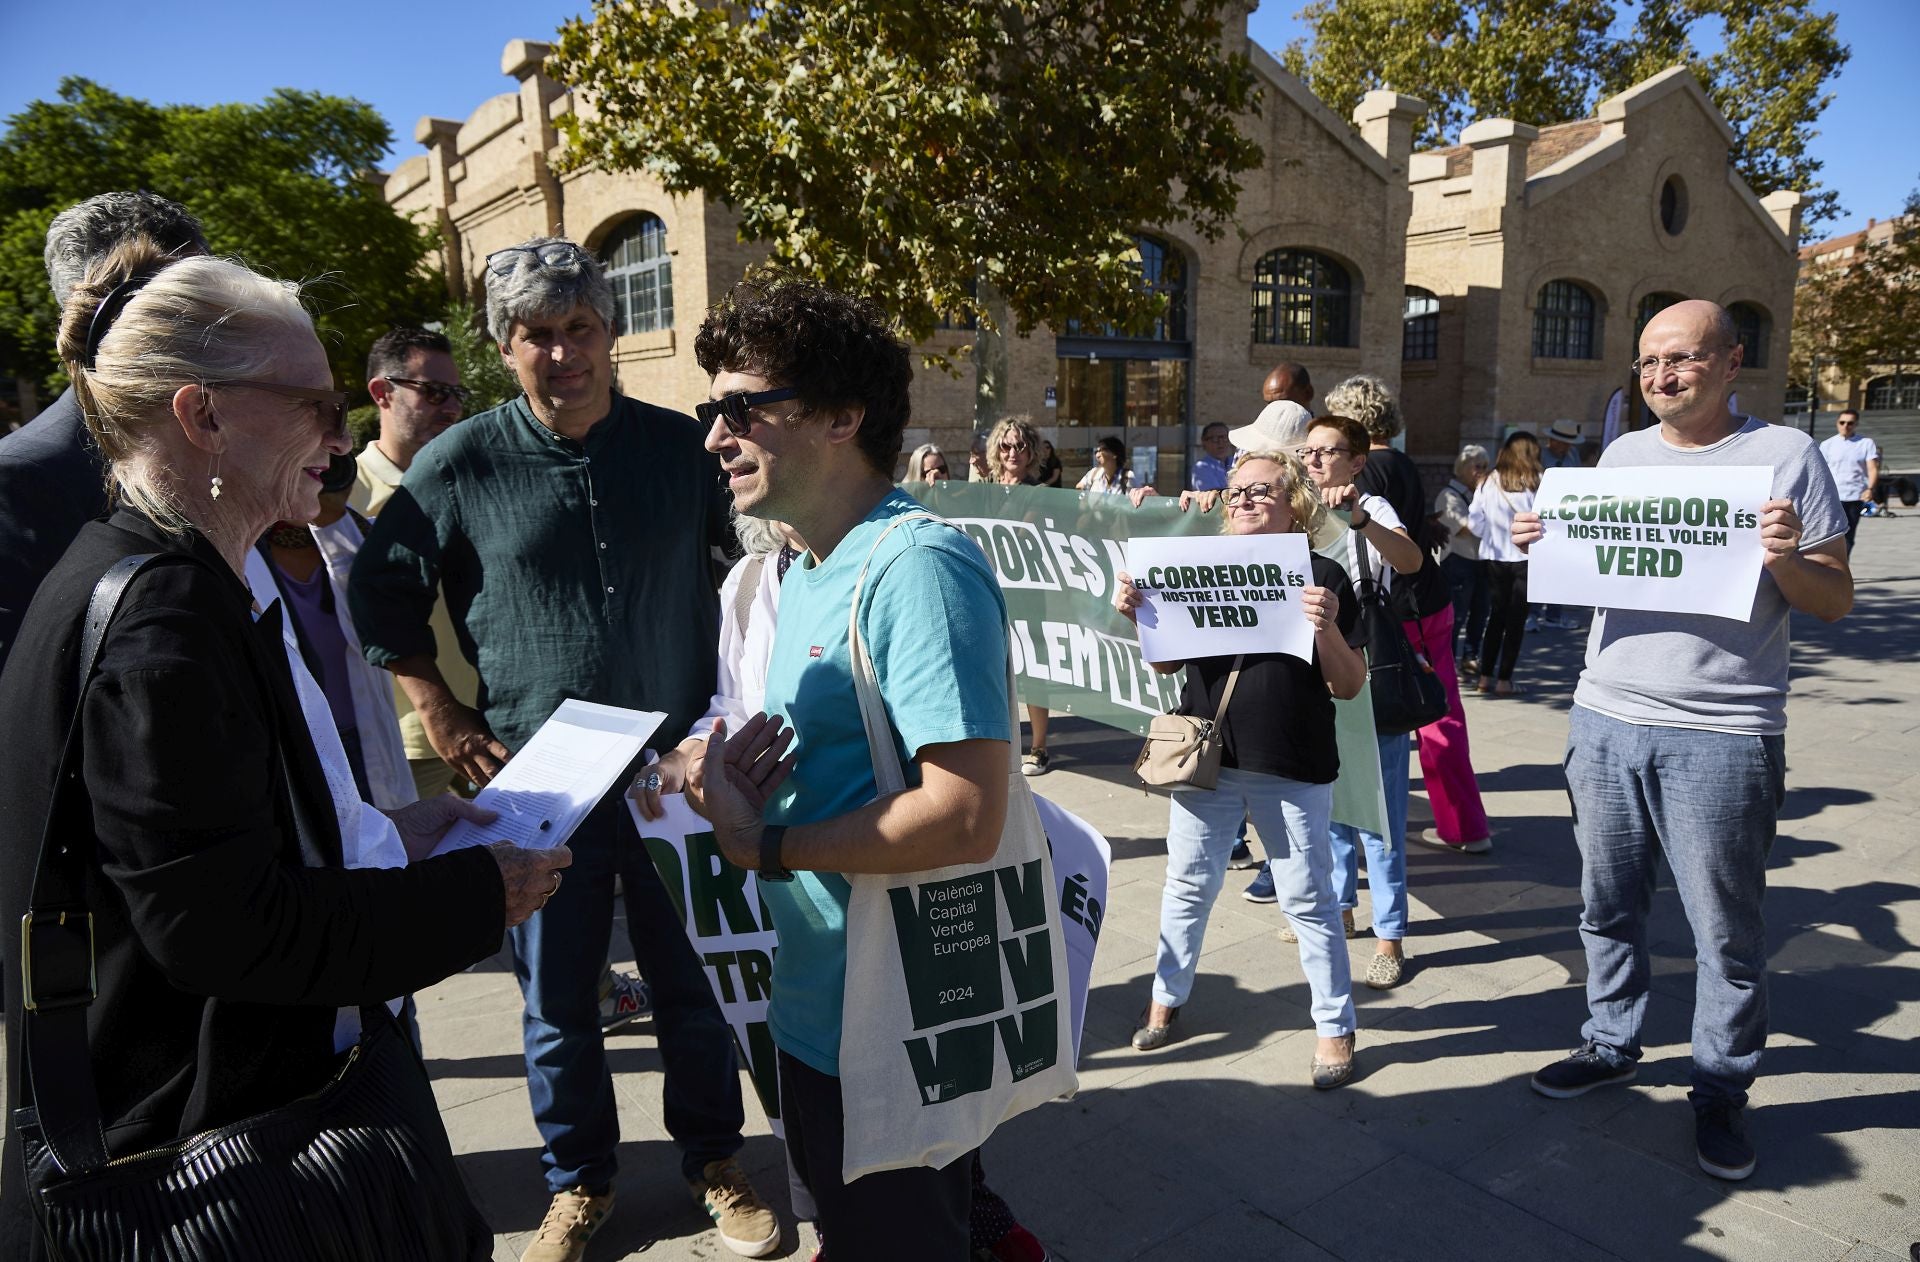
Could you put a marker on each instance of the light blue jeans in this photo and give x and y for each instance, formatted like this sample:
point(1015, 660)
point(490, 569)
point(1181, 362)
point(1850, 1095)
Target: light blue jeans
point(1386, 856)
point(1709, 802)
point(1291, 816)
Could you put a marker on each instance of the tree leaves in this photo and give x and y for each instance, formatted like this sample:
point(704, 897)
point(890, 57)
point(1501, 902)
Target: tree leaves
point(288, 185)
point(1863, 314)
point(931, 156)
point(1542, 62)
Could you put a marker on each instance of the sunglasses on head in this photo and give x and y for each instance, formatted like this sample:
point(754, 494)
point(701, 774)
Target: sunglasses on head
point(732, 409)
point(329, 405)
point(550, 254)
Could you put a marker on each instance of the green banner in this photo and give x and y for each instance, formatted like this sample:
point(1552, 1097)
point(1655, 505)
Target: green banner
point(1056, 554)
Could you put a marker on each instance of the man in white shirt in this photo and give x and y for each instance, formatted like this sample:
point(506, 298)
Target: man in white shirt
point(1854, 460)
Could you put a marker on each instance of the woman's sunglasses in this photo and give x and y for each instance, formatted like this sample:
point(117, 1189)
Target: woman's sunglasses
point(330, 405)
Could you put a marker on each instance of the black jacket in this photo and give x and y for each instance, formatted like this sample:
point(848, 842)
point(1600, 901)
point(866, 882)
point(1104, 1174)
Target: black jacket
point(52, 482)
point(226, 931)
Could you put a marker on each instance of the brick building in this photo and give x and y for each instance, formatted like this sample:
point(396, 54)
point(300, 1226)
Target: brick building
point(1316, 261)
point(1499, 282)
point(1536, 255)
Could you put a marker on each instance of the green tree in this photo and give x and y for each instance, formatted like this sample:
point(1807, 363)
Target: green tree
point(1862, 315)
point(287, 185)
point(983, 159)
point(478, 358)
point(1542, 62)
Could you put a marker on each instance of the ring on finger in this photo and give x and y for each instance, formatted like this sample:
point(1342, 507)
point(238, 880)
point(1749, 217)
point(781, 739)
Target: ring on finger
point(554, 890)
point(653, 782)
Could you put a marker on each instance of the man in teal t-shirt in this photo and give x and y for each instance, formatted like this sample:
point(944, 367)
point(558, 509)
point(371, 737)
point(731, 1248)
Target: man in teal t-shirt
point(809, 403)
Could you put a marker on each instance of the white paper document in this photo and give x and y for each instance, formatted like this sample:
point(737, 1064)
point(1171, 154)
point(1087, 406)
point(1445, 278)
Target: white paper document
point(547, 788)
point(1667, 540)
point(1210, 596)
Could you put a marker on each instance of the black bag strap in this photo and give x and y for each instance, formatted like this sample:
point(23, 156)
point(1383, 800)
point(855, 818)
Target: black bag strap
point(58, 981)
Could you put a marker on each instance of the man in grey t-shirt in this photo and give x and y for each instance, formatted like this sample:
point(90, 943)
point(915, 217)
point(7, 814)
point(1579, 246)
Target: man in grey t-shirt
point(1676, 744)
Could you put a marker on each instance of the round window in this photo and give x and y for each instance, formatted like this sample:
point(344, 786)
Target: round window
point(1673, 205)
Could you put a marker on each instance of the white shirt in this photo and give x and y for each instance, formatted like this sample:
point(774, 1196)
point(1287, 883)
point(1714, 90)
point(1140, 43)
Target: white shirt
point(368, 839)
point(1376, 509)
point(1096, 481)
point(744, 652)
point(1451, 506)
point(1847, 458)
point(1491, 518)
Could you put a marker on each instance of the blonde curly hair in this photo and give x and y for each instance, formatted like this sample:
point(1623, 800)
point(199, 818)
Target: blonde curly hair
point(1020, 426)
point(1310, 516)
point(1369, 400)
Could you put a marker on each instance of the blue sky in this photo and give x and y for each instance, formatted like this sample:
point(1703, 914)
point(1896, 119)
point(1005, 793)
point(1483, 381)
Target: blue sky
point(205, 51)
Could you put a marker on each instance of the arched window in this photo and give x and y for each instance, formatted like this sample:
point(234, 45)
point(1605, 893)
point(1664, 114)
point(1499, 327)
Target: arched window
point(1894, 394)
point(1302, 298)
point(1566, 322)
point(1420, 325)
point(642, 275)
point(1164, 271)
point(1753, 329)
point(1651, 306)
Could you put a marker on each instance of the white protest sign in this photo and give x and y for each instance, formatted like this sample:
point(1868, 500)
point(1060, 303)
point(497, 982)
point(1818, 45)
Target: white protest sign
point(1081, 861)
point(731, 932)
point(734, 937)
point(1212, 595)
point(1667, 540)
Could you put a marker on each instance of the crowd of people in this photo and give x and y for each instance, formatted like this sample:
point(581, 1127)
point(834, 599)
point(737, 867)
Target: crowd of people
point(244, 668)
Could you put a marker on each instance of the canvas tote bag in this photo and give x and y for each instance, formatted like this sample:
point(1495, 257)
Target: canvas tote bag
point(957, 1014)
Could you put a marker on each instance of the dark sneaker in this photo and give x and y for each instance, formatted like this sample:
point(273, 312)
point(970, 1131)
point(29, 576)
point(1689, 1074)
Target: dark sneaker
point(1720, 1139)
point(1580, 1073)
point(1261, 891)
point(1242, 857)
point(624, 999)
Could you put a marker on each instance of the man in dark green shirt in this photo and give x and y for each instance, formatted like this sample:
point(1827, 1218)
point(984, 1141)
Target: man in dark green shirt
point(572, 530)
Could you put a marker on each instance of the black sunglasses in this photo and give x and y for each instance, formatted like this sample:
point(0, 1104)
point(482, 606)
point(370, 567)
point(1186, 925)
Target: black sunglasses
point(434, 392)
point(733, 408)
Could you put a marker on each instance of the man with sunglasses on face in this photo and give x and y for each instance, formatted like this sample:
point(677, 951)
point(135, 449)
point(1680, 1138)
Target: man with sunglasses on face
point(416, 385)
point(571, 531)
point(808, 403)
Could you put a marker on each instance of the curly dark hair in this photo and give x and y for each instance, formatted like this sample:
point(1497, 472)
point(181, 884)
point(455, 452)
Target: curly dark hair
point(837, 350)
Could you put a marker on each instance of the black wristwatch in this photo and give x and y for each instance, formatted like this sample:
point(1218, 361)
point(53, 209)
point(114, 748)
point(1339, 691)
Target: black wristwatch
point(770, 838)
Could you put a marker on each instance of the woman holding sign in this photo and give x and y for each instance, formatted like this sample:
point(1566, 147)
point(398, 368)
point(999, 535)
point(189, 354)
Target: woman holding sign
point(1277, 767)
point(1335, 453)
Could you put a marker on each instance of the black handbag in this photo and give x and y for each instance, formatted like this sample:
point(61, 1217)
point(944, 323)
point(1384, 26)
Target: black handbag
point(1407, 694)
point(360, 1169)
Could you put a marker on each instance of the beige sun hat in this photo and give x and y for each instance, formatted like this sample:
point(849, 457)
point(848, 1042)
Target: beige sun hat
point(1566, 431)
point(1281, 426)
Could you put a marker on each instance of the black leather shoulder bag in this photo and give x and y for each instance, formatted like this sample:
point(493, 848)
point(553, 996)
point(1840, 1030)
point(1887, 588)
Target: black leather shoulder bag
point(359, 1169)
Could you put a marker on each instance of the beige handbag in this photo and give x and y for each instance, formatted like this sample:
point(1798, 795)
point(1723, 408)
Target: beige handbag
point(1184, 748)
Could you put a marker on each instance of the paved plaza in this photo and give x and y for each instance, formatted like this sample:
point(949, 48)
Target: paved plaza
point(1215, 1147)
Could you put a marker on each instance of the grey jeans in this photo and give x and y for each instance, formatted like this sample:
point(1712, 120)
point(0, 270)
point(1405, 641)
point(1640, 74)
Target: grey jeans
point(1708, 801)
